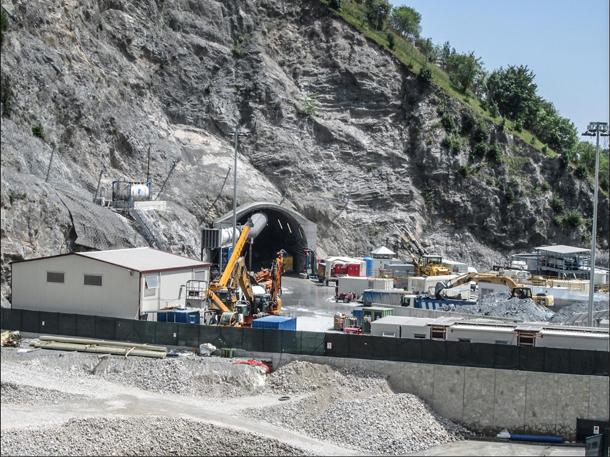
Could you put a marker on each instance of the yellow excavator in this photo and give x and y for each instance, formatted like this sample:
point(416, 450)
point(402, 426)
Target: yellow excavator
point(429, 265)
point(223, 294)
point(515, 290)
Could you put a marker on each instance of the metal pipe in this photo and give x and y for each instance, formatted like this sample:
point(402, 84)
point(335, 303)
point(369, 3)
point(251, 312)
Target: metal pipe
point(235, 189)
point(68, 339)
point(114, 350)
point(593, 236)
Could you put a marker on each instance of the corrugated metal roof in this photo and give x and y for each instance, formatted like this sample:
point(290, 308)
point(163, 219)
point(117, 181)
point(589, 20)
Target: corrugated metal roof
point(483, 328)
point(573, 333)
point(143, 259)
point(403, 320)
point(562, 249)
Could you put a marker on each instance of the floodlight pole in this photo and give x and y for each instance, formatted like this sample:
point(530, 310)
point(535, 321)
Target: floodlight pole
point(235, 189)
point(594, 129)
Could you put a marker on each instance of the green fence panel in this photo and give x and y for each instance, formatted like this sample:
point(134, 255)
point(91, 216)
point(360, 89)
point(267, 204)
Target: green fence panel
point(557, 360)
point(48, 323)
point(385, 347)
point(11, 319)
point(272, 340)
point(66, 324)
point(123, 329)
point(85, 326)
point(253, 340)
point(433, 351)
point(188, 335)
point(144, 332)
point(166, 333)
point(209, 334)
point(408, 350)
point(361, 347)
point(105, 328)
point(530, 358)
point(312, 343)
point(336, 345)
point(291, 342)
point(231, 336)
point(30, 321)
point(506, 357)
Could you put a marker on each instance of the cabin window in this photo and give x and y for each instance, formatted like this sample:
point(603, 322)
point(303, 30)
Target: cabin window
point(464, 340)
point(201, 275)
point(420, 335)
point(92, 280)
point(53, 276)
point(501, 342)
point(438, 333)
point(151, 284)
point(388, 334)
point(526, 340)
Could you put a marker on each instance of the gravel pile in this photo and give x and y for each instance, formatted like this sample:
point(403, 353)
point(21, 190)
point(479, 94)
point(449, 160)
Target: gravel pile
point(139, 436)
point(498, 305)
point(572, 314)
point(386, 424)
point(302, 377)
point(191, 375)
point(27, 395)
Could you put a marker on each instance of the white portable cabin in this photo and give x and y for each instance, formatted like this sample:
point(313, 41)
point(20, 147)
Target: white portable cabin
point(573, 339)
point(358, 285)
point(478, 333)
point(125, 283)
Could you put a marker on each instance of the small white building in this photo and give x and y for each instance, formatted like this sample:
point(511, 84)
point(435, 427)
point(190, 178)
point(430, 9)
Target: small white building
point(126, 283)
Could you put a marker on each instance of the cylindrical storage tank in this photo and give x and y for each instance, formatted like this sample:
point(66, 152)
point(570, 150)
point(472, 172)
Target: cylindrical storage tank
point(139, 192)
point(369, 266)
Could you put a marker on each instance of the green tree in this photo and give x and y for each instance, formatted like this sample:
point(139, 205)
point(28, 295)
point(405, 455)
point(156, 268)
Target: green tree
point(427, 48)
point(513, 91)
point(556, 131)
point(465, 71)
point(406, 20)
point(377, 12)
point(391, 40)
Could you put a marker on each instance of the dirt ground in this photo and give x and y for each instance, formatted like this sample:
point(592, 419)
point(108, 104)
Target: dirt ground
point(61, 403)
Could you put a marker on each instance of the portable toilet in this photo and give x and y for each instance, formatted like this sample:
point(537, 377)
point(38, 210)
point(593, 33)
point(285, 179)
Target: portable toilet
point(369, 266)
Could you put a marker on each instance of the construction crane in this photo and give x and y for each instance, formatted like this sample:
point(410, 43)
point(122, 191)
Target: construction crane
point(515, 290)
point(224, 294)
point(425, 264)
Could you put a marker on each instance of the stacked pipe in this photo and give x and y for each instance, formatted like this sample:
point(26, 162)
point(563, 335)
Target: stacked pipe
point(63, 343)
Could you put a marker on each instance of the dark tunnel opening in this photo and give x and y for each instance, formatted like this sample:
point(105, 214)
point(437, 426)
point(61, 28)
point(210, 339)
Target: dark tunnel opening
point(281, 232)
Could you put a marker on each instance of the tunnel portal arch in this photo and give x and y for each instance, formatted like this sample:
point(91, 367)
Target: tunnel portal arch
point(286, 229)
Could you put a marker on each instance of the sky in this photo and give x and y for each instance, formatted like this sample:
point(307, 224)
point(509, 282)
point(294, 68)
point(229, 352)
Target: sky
point(564, 42)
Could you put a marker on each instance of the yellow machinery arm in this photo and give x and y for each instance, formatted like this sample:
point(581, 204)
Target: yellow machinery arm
point(228, 272)
point(239, 246)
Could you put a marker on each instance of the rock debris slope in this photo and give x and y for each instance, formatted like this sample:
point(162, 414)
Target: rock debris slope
point(332, 126)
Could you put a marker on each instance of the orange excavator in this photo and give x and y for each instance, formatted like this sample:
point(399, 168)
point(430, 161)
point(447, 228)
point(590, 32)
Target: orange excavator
point(224, 301)
point(271, 280)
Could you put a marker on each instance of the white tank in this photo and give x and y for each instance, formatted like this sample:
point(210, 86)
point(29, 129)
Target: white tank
point(140, 191)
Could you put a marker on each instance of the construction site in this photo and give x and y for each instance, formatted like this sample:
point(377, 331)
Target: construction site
point(281, 228)
point(318, 392)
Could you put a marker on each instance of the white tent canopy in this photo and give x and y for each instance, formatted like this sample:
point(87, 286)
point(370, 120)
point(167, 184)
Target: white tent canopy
point(383, 251)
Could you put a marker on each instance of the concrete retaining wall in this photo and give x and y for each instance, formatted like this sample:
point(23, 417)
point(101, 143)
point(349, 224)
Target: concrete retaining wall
point(488, 400)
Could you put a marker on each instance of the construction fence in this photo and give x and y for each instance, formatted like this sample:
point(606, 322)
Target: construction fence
point(540, 359)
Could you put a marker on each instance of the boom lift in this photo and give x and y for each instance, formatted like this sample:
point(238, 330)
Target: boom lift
point(515, 290)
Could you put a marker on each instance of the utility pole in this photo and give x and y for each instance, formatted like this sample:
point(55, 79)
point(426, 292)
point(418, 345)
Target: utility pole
point(595, 129)
point(235, 188)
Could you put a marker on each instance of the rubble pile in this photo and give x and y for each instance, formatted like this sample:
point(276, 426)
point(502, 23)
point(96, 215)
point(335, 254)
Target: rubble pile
point(139, 436)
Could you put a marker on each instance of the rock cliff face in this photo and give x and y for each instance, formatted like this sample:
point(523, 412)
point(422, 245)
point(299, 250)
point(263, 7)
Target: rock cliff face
point(332, 126)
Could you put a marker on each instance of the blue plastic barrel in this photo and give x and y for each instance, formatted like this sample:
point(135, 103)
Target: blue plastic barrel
point(369, 266)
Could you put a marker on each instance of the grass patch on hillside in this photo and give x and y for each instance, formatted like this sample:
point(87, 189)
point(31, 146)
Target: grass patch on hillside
point(352, 13)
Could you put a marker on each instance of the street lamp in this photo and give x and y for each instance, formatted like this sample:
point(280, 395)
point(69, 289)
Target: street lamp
point(595, 129)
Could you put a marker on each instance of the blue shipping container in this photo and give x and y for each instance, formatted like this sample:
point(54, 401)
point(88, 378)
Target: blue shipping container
point(181, 316)
point(276, 322)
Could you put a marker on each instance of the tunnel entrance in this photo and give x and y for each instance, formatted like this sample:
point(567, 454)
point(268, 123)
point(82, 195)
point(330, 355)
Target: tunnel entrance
point(281, 232)
point(285, 229)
